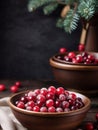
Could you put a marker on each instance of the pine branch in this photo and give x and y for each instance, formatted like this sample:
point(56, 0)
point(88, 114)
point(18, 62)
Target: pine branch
point(50, 8)
point(34, 4)
point(60, 22)
point(71, 21)
point(86, 9)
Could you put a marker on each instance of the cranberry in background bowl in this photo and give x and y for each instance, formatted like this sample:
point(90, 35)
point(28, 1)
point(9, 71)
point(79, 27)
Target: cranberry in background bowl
point(59, 120)
point(77, 71)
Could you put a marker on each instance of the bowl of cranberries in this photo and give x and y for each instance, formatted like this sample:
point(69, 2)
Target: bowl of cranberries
point(76, 70)
point(51, 108)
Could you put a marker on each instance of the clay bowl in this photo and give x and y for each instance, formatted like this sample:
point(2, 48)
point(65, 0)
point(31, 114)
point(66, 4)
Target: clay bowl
point(77, 77)
point(49, 121)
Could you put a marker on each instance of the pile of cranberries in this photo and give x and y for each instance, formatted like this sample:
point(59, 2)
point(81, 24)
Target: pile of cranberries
point(82, 57)
point(50, 99)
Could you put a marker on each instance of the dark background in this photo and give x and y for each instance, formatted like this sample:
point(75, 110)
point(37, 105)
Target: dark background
point(28, 40)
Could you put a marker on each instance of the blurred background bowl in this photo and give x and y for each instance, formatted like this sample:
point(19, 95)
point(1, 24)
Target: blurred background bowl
point(78, 77)
point(49, 121)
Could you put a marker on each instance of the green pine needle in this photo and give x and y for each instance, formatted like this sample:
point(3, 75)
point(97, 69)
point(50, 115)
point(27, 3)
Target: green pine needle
point(71, 21)
point(86, 9)
point(50, 8)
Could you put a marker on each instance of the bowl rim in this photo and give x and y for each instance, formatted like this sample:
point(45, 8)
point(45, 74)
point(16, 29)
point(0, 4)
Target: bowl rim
point(70, 66)
point(84, 109)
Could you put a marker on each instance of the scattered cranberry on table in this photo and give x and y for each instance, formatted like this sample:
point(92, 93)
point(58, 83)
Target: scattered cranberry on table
point(50, 99)
point(2, 87)
point(14, 88)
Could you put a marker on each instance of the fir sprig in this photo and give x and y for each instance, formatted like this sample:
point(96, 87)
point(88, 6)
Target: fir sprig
point(78, 9)
point(86, 9)
point(50, 8)
point(71, 21)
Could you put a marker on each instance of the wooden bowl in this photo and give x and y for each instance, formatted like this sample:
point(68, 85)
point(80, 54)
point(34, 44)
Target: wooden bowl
point(49, 121)
point(78, 77)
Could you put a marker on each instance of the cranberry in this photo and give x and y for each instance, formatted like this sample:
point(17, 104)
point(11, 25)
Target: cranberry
point(49, 103)
point(14, 89)
point(51, 109)
point(65, 104)
point(36, 108)
point(62, 50)
point(79, 59)
point(43, 91)
point(89, 126)
point(62, 97)
point(24, 99)
point(41, 98)
point(31, 103)
point(50, 96)
point(2, 87)
point(71, 55)
point(37, 91)
point(67, 59)
point(81, 47)
point(97, 116)
point(39, 103)
point(21, 105)
point(18, 83)
point(57, 103)
point(60, 90)
point(52, 89)
point(59, 109)
point(43, 109)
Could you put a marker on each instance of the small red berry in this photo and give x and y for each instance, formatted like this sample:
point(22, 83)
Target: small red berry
point(71, 55)
point(14, 89)
point(62, 50)
point(18, 83)
point(89, 126)
point(97, 116)
point(2, 87)
point(81, 47)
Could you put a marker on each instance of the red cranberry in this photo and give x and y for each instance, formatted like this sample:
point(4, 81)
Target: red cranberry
point(65, 104)
point(14, 89)
point(62, 50)
point(60, 90)
point(43, 91)
point(81, 47)
point(57, 103)
point(79, 59)
point(71, 55)
point(31, 103)
point(21, 105)
point(59, 109)
point(41, 98)
point(50, 96)
point(37, 91)
point(51, 109)
point(18, 83)
point(24, 99)
point(52, 89)
point(97, 116)
point(89, 126)
point(2, 87)
point(49, 103)
point(36, 108)
point(43, 109)
point(62, 97)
